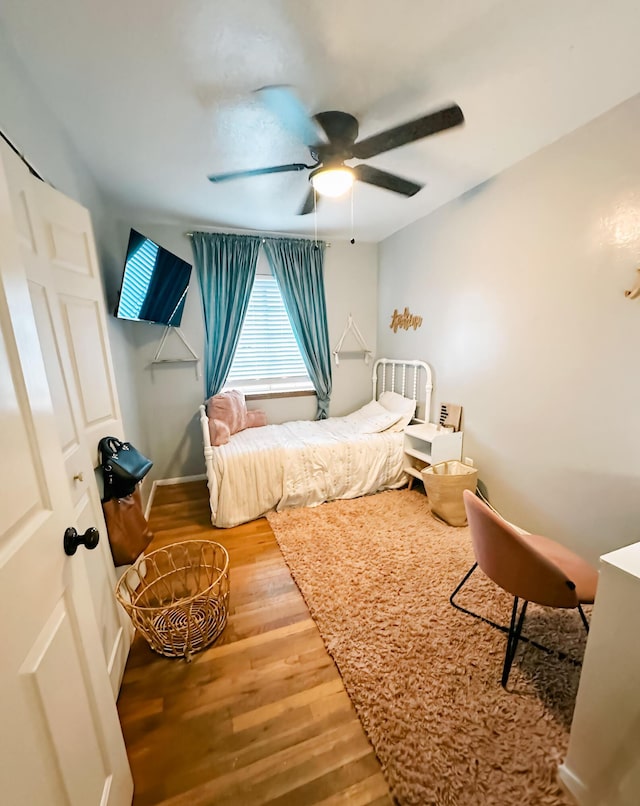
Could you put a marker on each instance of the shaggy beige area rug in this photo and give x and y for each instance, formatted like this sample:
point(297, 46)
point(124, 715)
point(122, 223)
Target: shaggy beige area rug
point(376, 574)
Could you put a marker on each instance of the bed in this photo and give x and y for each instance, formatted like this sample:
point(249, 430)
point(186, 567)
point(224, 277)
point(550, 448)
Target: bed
point(305, 463)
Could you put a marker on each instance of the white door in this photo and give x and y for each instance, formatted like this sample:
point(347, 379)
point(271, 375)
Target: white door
point(60, 739)
point(58, 251)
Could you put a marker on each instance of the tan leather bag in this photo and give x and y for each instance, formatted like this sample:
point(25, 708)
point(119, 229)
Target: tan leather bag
point(127, 527)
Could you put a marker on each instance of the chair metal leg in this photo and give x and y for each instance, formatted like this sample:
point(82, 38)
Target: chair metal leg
point(583, 617)
point(560, 654)
point(468, 612)
point(460, 586)
point(515, 630)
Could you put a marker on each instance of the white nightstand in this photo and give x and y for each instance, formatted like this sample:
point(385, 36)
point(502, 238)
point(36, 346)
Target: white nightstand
point(425, 445)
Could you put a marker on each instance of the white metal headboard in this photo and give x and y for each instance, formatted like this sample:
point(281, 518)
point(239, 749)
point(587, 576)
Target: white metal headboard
point(408, 378)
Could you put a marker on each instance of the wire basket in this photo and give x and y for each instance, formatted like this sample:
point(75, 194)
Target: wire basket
point(178, 596)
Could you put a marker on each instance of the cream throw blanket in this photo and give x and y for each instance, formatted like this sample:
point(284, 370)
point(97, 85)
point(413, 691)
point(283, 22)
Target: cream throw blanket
point(301, 463)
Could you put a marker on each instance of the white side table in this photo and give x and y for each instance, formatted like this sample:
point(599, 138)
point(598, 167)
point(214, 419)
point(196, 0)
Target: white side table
point(425, 445)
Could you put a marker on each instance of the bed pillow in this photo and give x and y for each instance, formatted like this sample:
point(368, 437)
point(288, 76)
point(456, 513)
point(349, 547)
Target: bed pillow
point(405, 408)
point(219, 432)
point(373, 418)
point(227, 413)
point(256, 418)
point(230, 408)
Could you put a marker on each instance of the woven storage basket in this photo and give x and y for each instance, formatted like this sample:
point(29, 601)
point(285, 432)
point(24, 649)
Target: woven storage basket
point(178, 596)
point(444, 484)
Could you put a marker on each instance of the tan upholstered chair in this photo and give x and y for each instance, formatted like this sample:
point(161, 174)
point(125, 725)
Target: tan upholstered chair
point(529, 567)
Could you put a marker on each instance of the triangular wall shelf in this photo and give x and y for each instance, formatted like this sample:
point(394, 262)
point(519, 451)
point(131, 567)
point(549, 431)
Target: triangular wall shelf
point(187, 359)
point(364, 351)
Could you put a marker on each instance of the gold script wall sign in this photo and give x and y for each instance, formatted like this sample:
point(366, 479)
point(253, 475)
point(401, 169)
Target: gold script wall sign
point(405, 320)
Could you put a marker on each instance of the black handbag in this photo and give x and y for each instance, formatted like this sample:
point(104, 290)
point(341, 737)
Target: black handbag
point(123, 467)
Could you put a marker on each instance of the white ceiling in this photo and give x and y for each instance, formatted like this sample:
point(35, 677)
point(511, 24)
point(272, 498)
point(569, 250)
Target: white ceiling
point(156, 94)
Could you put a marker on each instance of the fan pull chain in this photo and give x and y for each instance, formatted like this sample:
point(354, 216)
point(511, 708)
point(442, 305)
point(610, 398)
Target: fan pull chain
point(315, 217)
point(353, 240)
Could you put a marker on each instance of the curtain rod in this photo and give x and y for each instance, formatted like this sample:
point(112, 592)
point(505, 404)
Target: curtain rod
point(262, 240)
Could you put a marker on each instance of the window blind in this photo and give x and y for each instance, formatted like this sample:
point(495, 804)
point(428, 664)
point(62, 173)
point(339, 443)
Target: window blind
point(138, 269)
point(267, 357)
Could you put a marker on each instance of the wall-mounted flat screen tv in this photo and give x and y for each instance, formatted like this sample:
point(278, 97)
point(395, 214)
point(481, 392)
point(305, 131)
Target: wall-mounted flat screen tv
point(154, 283)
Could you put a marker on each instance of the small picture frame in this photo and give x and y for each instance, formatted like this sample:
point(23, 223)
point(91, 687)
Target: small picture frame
point(450, 416)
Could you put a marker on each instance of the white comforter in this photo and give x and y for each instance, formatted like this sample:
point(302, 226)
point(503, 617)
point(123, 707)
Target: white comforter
point(302, 463)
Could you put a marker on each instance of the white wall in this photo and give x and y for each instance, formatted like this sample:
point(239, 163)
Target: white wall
point(521, 286)
point(34, 129)
point(159, 405)
point(170, 394)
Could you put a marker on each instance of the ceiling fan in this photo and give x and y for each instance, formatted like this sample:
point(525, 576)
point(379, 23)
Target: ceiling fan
point(331, 139)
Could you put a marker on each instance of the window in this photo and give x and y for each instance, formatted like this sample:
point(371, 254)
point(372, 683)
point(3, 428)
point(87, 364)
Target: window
point(267, 357)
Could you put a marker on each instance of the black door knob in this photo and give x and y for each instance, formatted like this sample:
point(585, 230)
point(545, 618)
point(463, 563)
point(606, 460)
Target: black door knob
point(72, 539)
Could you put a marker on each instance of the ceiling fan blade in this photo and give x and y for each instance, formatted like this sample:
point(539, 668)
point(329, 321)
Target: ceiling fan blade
point(290, 111)
point(408, 132)
point(275, 169)
point(309, 206)
point(383, 179)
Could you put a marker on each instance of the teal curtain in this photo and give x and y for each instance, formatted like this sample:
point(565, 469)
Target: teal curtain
point(298, 266)
point(226, 268)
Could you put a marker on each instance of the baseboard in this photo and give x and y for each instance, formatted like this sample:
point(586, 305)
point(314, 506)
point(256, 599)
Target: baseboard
point(164, 482)
point(147, 510)
point(180, 480)
point(573, 785)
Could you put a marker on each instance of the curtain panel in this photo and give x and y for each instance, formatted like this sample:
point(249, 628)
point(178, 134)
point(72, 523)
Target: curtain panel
point(226, 268)
point(298, 266)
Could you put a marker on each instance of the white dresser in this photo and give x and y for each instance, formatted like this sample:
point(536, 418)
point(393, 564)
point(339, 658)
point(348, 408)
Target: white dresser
point(602, 766)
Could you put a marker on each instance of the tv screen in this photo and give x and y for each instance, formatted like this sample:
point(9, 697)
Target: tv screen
point(154, 283)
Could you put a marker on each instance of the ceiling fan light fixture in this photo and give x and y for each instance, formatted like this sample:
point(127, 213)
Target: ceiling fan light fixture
point(332, 139)
point(332, 181)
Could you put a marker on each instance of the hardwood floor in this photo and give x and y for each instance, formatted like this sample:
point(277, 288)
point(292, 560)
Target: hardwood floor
point(262, 715)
